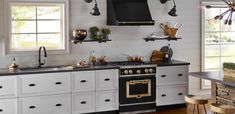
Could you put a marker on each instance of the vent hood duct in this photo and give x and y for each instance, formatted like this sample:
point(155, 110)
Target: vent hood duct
point(128, 12)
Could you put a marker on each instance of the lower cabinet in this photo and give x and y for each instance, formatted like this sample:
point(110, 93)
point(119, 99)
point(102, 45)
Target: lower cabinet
point(54, 104)
point(107, 100)
point(9, 106)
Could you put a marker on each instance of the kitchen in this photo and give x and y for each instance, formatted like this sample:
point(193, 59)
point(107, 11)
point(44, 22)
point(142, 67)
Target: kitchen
point(125, 39)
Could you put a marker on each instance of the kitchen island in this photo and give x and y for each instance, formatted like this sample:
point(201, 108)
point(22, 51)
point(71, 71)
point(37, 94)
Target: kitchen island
point(222, 87)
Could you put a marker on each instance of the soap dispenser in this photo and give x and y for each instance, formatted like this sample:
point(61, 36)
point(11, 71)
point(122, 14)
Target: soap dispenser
point(13, 65)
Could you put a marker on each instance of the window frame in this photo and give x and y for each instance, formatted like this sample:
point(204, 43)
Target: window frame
point(8, 27)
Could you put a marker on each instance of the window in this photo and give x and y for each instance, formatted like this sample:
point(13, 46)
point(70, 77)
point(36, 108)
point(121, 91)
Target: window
point(218, 40)
point(37, 24)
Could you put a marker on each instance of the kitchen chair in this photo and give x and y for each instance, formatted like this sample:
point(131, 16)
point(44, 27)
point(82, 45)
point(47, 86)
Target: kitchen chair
point(195, 100)
point(222, 109)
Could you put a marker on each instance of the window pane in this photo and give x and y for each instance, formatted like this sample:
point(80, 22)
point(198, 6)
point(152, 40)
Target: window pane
point(227, 50)
point(23, 27)
point(49, 26)
point(212, 50)
point(48, 12)
point(212, 63)
point(23, 12)
point(212, 38)
point(211, 13)
point(50, 40)
point(228, 59)
point(211, 26)
point(228, 37)
point(23, 41)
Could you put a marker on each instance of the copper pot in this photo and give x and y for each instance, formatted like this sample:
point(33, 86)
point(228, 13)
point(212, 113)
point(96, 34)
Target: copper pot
point(79, 34)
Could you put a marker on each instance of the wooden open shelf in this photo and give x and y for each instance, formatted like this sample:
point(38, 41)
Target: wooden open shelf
point(153, 39)
point(99, 41)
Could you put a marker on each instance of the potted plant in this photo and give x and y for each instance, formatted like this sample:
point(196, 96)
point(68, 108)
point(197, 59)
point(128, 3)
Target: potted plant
point(94, 32)
point(106, 32)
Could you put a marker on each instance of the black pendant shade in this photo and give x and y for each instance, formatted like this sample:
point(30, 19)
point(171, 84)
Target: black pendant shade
point(172, 12)
point(95, 11)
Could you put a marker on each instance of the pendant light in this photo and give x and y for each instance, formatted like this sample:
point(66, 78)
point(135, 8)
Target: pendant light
point(172, 12)
point(95, 11)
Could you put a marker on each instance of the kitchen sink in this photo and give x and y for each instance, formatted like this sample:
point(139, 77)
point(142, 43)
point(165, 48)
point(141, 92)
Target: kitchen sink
point(49, 68)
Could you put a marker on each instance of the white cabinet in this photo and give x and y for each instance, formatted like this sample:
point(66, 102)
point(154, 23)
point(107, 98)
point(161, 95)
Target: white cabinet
point(107, 79)
point(8, 86)
point(8, 106)
point(48, 83)
point(107, 100)
point(83, 81)
point(171, 84)
point(83, 102)
point(95, 91)
point(54, 104)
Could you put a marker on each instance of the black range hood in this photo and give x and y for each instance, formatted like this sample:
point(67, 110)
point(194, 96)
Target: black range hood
point(128, 12)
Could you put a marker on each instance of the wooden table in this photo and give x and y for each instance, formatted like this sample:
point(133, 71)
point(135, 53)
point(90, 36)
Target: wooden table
point(222, 88)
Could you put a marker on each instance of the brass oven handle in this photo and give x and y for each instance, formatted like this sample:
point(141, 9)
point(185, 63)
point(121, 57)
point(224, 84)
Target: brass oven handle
point(133, 82)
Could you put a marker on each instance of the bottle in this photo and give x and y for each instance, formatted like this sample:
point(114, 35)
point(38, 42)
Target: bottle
point(13, 65)
point(92, 58)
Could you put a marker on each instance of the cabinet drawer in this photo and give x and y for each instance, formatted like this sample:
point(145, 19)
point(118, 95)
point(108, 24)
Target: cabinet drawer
point(8, 86)
point(83, 81)
point(167, 95)
point(44, 83)
point(83, 102)
point(54, 104)
point(106, 100)
point(8, 106)
point(172, 75)
point(107, 79)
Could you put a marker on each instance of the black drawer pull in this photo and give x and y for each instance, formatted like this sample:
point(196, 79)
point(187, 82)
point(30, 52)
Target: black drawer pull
point(107, 100)
point(58, 83)
point(58, 105)
point(163, 76)
point(1, 110)
point(32, 107)
point(163, 95)
point(180, 74)
point(106, 79)
point(1, 87)
point(83, 81)
point(31, 85)
point(180, 93)
point(83, 102)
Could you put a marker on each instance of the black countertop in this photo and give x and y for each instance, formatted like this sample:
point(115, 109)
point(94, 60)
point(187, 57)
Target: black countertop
point(7, 72)
point(215, 76)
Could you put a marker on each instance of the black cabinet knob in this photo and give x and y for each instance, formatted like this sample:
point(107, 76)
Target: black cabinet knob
point(1, 110)
point(58, 105)
point(163, 76)
point(163, 95)
point(83, 102)
point(31, 85)
point(58, 83)
point(180, 74)
point(1, 87)
point(107, 100)
point(180, 93)
point(83, 81)
point(106, 79)
point(32, 107)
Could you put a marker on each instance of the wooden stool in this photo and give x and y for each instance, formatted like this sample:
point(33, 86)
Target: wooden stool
point(223, 109)
point(195, 100)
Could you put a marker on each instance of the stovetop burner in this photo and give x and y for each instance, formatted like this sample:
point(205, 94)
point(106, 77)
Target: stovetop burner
point(129, 63)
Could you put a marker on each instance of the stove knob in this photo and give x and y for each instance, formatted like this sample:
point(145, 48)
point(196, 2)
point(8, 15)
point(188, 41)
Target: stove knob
point(138, 71)
point(125, 71)
point(151, 70)
point(130, 71)
point(146, 71)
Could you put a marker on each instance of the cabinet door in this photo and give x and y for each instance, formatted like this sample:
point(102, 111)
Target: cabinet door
point(54, 104)
point(8, 106)
point(8, 86)
point(83, 102)
point(39, 84)
point(167, 95)
point(172, 75)
point(107, 79)
point(83, 81)
point(107, 100)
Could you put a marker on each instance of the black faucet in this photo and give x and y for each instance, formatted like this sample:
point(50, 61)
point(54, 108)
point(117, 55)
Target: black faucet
point(39, 58)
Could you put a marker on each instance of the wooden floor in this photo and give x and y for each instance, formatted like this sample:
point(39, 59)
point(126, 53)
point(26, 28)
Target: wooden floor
point(183, 110)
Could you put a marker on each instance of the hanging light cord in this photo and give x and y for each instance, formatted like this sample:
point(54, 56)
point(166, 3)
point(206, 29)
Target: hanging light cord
point(174, 3)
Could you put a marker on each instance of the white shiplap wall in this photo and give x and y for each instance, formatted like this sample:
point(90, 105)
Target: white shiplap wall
point(128, 40)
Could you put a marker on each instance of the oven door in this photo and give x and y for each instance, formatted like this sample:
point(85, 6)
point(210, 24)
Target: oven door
point(137, 89)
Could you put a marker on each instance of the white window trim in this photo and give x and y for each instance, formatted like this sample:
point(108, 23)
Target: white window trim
point(203, 4)
point(7, 28)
